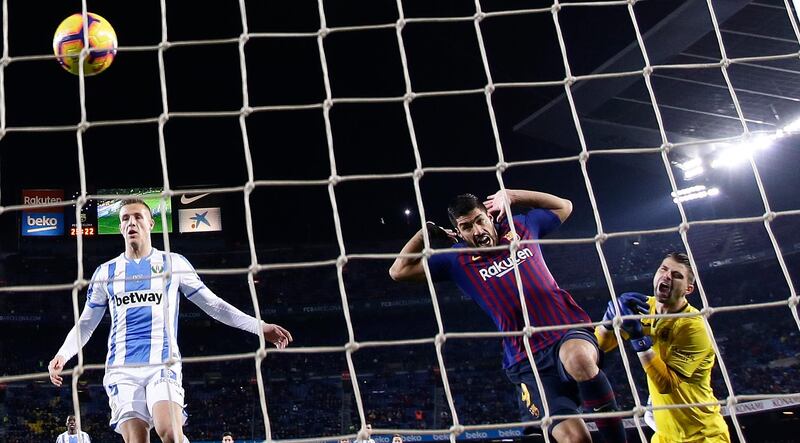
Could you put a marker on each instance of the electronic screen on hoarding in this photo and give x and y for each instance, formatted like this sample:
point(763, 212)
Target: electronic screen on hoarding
point(108, 210)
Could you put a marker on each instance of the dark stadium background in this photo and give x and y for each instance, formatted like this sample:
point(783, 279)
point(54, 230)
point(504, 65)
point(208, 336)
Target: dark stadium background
point(308, 394)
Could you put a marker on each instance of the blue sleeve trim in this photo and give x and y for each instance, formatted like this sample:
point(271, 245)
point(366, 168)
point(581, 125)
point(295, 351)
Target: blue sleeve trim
point(195, 291)
point(95, 305)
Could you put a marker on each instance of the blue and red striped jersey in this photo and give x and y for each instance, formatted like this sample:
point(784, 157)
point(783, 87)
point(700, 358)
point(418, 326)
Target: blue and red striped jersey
point(488, 278)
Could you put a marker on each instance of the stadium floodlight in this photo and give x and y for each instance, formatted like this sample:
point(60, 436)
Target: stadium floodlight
point(693, 193)
point(734, 154)
point(689, 190)
point(758, 142)
point(691, 168)
point(690, 164)
point(730, 156)
point(693, 173)
point(793, 126)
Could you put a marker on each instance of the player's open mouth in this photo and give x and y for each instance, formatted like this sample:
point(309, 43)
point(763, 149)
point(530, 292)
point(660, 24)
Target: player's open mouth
point(663, 287)
point(483, 240)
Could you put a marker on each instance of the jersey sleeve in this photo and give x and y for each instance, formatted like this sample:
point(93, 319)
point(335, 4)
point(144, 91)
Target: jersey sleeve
point(189, 282)
point(541, 221)
point(689, 348)
point(193, 288)
point(97, 293)
point(92, 314)
point(441, 265)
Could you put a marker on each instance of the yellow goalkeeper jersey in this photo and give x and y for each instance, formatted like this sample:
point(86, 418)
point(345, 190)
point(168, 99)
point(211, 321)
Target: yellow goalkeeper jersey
point(685, 347)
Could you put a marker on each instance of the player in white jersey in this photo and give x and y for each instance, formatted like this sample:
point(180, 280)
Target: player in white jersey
point(144, 306)
point(72, 435)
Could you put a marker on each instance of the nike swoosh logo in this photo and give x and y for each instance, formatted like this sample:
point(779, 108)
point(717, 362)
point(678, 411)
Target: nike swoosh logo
point(476, 257)
point(602, 408)
point(186, 200)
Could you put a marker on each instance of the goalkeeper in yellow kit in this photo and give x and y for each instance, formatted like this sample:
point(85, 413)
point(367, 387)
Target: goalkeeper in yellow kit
point(675, 352)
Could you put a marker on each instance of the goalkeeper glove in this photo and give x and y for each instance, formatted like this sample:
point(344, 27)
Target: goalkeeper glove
point(631, 303)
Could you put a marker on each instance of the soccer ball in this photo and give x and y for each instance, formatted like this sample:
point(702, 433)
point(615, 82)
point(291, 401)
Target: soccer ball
point(68, 43)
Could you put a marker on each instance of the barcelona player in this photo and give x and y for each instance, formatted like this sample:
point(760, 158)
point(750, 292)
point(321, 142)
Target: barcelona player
point(142, 287)
point(676, 354)
point(567, 359)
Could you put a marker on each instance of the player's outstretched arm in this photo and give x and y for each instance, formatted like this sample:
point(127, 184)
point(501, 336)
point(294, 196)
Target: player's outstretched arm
point(496, 203)
point(220, 310)
point(225, 312)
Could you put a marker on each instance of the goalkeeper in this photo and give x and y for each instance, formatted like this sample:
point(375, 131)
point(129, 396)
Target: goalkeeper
point(675, 352)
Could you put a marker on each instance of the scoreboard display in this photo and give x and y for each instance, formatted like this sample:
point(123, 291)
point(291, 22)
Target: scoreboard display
point(88, 217)
point(87, 231)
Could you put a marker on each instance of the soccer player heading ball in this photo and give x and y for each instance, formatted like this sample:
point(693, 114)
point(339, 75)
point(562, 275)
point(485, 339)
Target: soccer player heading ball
point(567, 359)
point(142, 306)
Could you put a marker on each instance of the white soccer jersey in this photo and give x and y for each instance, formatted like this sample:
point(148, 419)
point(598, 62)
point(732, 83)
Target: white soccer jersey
point(143, 304)
point(73, 438)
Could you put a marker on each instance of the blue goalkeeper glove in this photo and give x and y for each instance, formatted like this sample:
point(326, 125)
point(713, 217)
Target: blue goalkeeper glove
point(631, 303)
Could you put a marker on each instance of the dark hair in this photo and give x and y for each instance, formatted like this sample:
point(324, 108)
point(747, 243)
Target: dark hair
point(462, 205)
point(135, 201)
point(227, 434)
point(69, 417)
point(683, 259)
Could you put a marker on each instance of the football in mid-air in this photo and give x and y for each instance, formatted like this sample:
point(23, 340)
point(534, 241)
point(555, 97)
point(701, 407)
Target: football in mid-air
point(68, 43)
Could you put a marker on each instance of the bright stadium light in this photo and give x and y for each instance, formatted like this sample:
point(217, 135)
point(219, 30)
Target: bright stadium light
point(734, 154)
point(689, 190)
point(760, 142)
point(731, 156)
point(793, 126)
point(693, 193)
point(691, 168)
point(690, 164)
point(692, 173)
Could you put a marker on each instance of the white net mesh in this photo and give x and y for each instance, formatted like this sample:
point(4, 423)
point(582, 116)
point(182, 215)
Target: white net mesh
point(667, 146)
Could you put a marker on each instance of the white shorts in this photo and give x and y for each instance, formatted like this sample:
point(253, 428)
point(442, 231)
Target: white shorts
point(132, 392)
